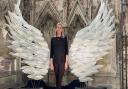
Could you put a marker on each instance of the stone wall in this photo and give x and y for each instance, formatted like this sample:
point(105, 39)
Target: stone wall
point(44, 15)
point(9, 66)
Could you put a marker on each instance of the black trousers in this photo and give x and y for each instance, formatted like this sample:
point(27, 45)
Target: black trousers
point(59, 68)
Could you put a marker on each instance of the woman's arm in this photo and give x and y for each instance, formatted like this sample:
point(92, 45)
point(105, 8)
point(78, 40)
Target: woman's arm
point(66, 52)
point(66, 45)
point(66, 59)
point(51, 49)
point(51, 55)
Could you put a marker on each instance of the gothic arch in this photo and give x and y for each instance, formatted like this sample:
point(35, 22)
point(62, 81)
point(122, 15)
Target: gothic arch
point(47, 27)
point(48, 9)
point(77, 10)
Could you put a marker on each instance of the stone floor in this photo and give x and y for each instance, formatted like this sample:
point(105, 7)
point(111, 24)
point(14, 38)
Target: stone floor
point(10, 80)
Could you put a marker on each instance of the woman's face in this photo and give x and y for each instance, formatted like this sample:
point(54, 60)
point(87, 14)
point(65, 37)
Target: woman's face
point(59, 29)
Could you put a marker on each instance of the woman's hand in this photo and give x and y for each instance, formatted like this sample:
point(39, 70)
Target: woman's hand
point(66, 63)
point(66, 66)
point(51, 64)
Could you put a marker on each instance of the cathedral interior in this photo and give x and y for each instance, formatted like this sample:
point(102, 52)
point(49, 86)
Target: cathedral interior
point(74, 15)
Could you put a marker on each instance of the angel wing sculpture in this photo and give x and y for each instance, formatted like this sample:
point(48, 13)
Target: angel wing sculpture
point(27, 43)
point(89, 45)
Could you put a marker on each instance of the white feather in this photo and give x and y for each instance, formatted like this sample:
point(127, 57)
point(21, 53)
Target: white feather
point(91, 44)
point(29, 44)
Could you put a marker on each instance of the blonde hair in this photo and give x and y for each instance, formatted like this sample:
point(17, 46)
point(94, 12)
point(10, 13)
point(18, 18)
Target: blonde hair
point(62, 33)
point(59, 24)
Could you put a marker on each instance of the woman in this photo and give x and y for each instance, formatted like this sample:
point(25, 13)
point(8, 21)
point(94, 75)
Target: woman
point(59, 54)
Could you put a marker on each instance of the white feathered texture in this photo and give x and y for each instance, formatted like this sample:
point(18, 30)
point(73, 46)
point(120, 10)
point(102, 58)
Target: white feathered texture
point(27, 43)
point(91, 44)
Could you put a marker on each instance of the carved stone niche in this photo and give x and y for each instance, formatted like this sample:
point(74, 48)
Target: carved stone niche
point(47, 27)
point(76, 24)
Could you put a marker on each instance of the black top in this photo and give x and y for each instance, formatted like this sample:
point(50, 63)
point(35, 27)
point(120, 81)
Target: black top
point(59, 48)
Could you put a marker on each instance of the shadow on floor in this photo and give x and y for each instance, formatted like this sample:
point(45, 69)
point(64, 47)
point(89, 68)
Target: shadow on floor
point(75, 84)
point(40, 83)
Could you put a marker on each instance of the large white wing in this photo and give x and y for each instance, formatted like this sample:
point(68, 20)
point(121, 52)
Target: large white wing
point(91, 44)
point(27, 43)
